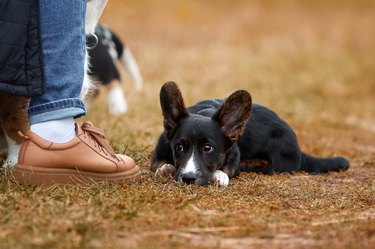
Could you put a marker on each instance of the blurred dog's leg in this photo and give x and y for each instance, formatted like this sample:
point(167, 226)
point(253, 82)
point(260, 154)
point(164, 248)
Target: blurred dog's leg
point(117, 104)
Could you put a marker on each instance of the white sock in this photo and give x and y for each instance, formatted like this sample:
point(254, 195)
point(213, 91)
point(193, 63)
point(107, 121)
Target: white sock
point(57, 131)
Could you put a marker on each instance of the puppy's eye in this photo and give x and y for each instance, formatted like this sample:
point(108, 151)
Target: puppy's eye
point(207, 148)
point(179, 148)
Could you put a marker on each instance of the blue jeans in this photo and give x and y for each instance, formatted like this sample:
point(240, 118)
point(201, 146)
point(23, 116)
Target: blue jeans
point(63, 41)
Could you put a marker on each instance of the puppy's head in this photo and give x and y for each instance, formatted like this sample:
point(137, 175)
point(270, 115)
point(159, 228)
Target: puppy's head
point(200, 143)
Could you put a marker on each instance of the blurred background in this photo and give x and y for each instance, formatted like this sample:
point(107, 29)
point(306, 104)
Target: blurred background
point(311, 61)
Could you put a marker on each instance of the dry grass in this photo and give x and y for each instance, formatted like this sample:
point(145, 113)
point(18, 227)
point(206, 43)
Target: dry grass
point(310, 61)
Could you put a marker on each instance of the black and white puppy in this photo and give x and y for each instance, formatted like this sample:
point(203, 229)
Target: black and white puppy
point(216, 139)
point(109, 52)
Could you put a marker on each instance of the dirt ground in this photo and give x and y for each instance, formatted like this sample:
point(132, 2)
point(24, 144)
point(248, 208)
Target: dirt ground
point(310, 61)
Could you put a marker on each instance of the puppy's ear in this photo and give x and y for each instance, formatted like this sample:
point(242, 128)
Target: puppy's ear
point(233, 114)
point(172, 105)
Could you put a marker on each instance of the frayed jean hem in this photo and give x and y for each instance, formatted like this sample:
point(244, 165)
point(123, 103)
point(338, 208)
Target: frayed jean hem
point(57, 110)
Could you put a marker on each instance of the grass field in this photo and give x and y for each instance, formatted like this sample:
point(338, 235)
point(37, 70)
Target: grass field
point(312, 61)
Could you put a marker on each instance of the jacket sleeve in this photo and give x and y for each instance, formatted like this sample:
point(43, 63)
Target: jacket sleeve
point(21, 71)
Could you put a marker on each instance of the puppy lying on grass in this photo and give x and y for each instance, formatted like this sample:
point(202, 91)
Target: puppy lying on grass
point(216, 139)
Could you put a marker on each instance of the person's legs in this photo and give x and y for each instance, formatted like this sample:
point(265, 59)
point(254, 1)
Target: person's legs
point(63, 45)
point(55, 149)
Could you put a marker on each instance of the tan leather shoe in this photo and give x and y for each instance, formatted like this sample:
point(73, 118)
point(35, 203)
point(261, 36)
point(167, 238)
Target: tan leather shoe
point(87, 158)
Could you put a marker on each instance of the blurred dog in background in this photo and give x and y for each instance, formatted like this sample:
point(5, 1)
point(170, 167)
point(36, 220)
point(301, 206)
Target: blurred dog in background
point(104, 59)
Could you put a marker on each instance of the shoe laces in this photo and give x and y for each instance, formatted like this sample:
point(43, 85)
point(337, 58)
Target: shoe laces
point(97, 136)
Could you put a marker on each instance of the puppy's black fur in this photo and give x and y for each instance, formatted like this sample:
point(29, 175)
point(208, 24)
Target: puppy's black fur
point(228, 135)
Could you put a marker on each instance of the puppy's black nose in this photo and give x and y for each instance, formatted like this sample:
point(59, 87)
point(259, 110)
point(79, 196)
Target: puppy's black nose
point(189, 177)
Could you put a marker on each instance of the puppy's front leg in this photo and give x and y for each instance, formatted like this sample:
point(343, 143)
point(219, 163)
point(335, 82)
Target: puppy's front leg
point(166, 170)
point(162, 158)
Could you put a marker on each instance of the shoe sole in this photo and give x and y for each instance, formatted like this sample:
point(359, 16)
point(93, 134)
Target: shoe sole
point(31, 175)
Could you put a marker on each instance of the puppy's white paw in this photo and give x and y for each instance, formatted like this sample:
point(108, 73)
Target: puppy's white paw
point(11, 160)
point(166, 170)
point(221, 178)
point(117, 104)
point(13, 151)
point(9, 163)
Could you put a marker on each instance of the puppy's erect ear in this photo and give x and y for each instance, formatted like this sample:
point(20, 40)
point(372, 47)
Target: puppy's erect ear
point(172, 105)
point(233, 114)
